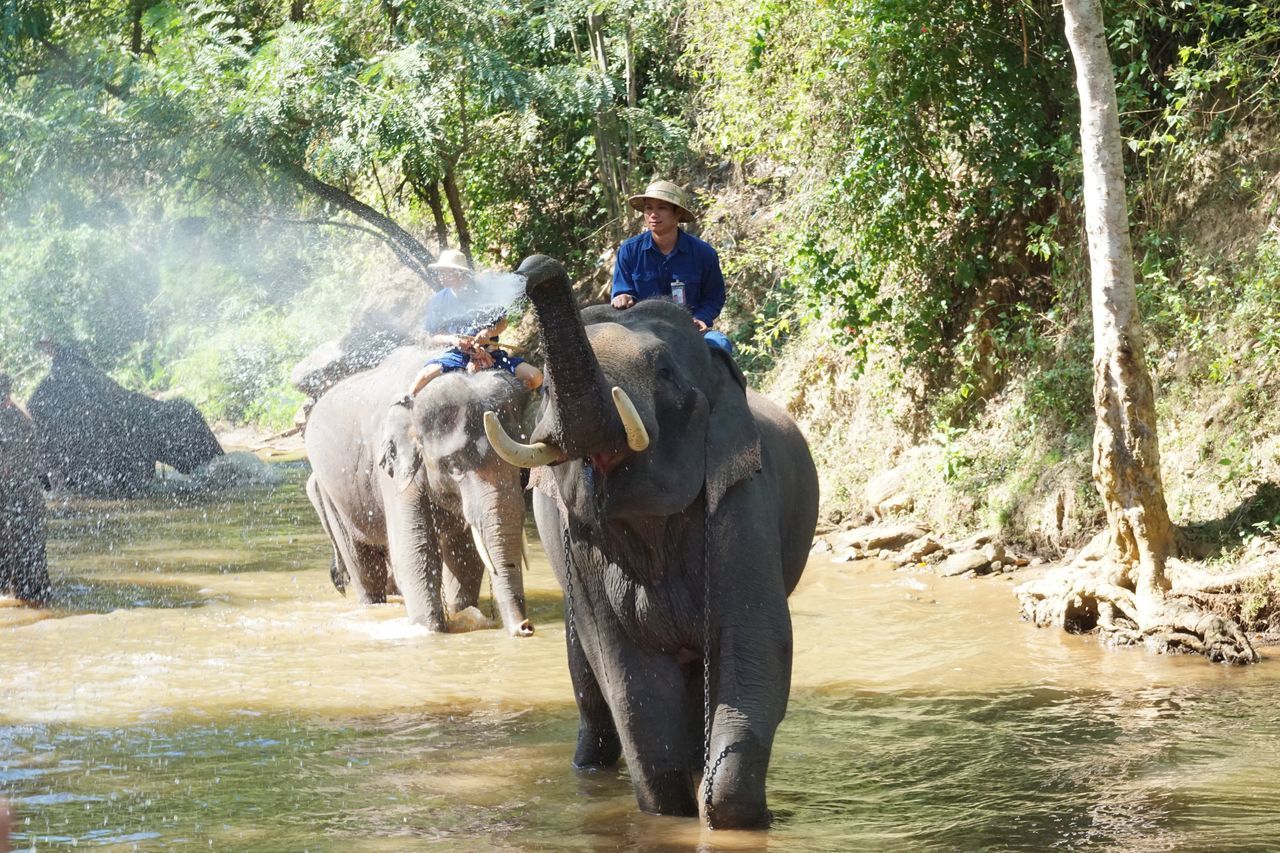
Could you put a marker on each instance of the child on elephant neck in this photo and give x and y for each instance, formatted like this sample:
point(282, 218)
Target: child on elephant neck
point(467, 331)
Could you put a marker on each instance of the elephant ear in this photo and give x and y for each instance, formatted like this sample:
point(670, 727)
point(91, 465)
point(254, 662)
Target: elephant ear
point(398, 456)
point(733, 442)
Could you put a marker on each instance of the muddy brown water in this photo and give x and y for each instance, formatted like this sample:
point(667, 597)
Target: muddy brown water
point(203, 686)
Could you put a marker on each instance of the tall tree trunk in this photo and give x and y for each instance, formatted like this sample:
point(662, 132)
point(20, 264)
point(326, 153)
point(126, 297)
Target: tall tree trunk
point(1120, 583)
point(608, 165)
point(393, 17)
point(431, 194)
point(135, 27)
point(633, 97)
point(455, 208)
point(1126, 448)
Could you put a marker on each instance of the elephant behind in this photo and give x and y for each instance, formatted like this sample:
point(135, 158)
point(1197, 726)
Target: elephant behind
point(23, 571)
point(411, 486)
point(101, 438)
point(677, 508)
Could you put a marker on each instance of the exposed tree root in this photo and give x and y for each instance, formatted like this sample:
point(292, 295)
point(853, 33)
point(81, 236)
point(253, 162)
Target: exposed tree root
point(1099, 594)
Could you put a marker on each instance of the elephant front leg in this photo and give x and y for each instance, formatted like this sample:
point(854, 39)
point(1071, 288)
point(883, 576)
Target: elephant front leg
point(645, 692)
point(751, 677)
point(598, 742)
point(414, 548)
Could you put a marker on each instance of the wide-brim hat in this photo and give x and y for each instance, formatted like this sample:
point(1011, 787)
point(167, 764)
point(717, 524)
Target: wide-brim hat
point(451, 259)
point(671, 193)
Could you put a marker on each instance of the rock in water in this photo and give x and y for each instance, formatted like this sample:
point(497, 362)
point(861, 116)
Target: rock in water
point(470, 619)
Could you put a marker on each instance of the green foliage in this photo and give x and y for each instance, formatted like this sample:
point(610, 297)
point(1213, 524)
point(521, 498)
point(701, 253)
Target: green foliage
point(933, 160)
point(936, 139)
point(157, 193)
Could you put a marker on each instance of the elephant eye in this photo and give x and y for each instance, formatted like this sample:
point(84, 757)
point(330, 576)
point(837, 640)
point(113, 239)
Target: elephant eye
point(665, 374)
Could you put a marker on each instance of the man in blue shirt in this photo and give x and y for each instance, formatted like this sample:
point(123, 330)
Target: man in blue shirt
point(666, 260)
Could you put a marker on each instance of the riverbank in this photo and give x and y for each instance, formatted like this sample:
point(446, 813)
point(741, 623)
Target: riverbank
point(267, 445)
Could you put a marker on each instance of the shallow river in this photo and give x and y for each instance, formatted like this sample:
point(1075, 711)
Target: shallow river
point(205, 686)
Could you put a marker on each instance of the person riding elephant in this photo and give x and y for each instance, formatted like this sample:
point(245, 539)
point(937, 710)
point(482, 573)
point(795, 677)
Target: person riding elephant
point(100, 438)
point(410, 486)
point(24, 573)
point(677, 508)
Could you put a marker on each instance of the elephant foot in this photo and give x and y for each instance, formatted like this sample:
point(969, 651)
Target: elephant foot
point(668, 793)
point(596, 750)
point(737, 797)
point(736, 815)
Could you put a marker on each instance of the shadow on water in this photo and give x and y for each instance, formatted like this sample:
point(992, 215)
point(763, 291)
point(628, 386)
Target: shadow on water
point(1024, 770)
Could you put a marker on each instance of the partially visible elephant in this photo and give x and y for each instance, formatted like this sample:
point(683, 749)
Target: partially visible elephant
point(101, 438)
point(384, 321)
point(411, 486)
point(677, 507)
point(23, 571)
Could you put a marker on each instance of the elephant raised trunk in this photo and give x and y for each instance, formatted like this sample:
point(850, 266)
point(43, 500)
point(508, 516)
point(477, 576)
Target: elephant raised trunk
point(579, 420)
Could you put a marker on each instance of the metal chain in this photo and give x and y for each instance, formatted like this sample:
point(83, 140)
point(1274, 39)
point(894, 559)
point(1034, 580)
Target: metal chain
point(568, 578)
point(708, 770)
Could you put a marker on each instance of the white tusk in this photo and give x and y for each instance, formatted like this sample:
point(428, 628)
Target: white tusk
point(512, 451)
point(483, 551)
point(637, 435)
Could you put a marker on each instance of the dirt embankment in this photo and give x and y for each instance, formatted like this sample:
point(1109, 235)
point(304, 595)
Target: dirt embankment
point(1012, 474)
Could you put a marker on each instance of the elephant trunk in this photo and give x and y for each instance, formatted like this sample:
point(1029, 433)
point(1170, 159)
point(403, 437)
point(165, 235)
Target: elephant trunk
point(580, 419)
point(496, 518)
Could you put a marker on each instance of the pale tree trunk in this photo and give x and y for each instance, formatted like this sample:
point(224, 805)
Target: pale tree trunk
point(633, 89)
point(1120, 583)
point(608, 154)
point(1126, 449)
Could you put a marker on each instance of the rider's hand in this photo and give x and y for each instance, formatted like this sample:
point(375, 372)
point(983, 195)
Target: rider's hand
point(481, 358)
point(623, 300)
point(702, 327)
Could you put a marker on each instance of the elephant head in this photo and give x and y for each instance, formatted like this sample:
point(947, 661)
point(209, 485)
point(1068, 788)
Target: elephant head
point(182, 438)
point(641, 415)
point(433, 448)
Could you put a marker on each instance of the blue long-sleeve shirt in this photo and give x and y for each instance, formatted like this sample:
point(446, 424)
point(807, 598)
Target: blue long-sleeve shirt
point(642, 271)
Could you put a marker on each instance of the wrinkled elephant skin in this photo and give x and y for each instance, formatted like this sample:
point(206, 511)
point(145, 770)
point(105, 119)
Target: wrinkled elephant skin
point(23, 571)
point(411, 487)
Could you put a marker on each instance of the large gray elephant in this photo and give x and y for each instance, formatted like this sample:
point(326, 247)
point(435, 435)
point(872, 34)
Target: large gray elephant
point(412, 486)
point(23, 571)
point(677, 508)
point(101, 438)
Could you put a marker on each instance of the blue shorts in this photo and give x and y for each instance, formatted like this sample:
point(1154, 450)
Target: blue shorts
point(455, 359)
point(719, 340)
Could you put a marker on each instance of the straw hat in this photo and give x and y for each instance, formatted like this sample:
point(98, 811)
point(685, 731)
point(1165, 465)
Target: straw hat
point(671, 194)
point(451, 259)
